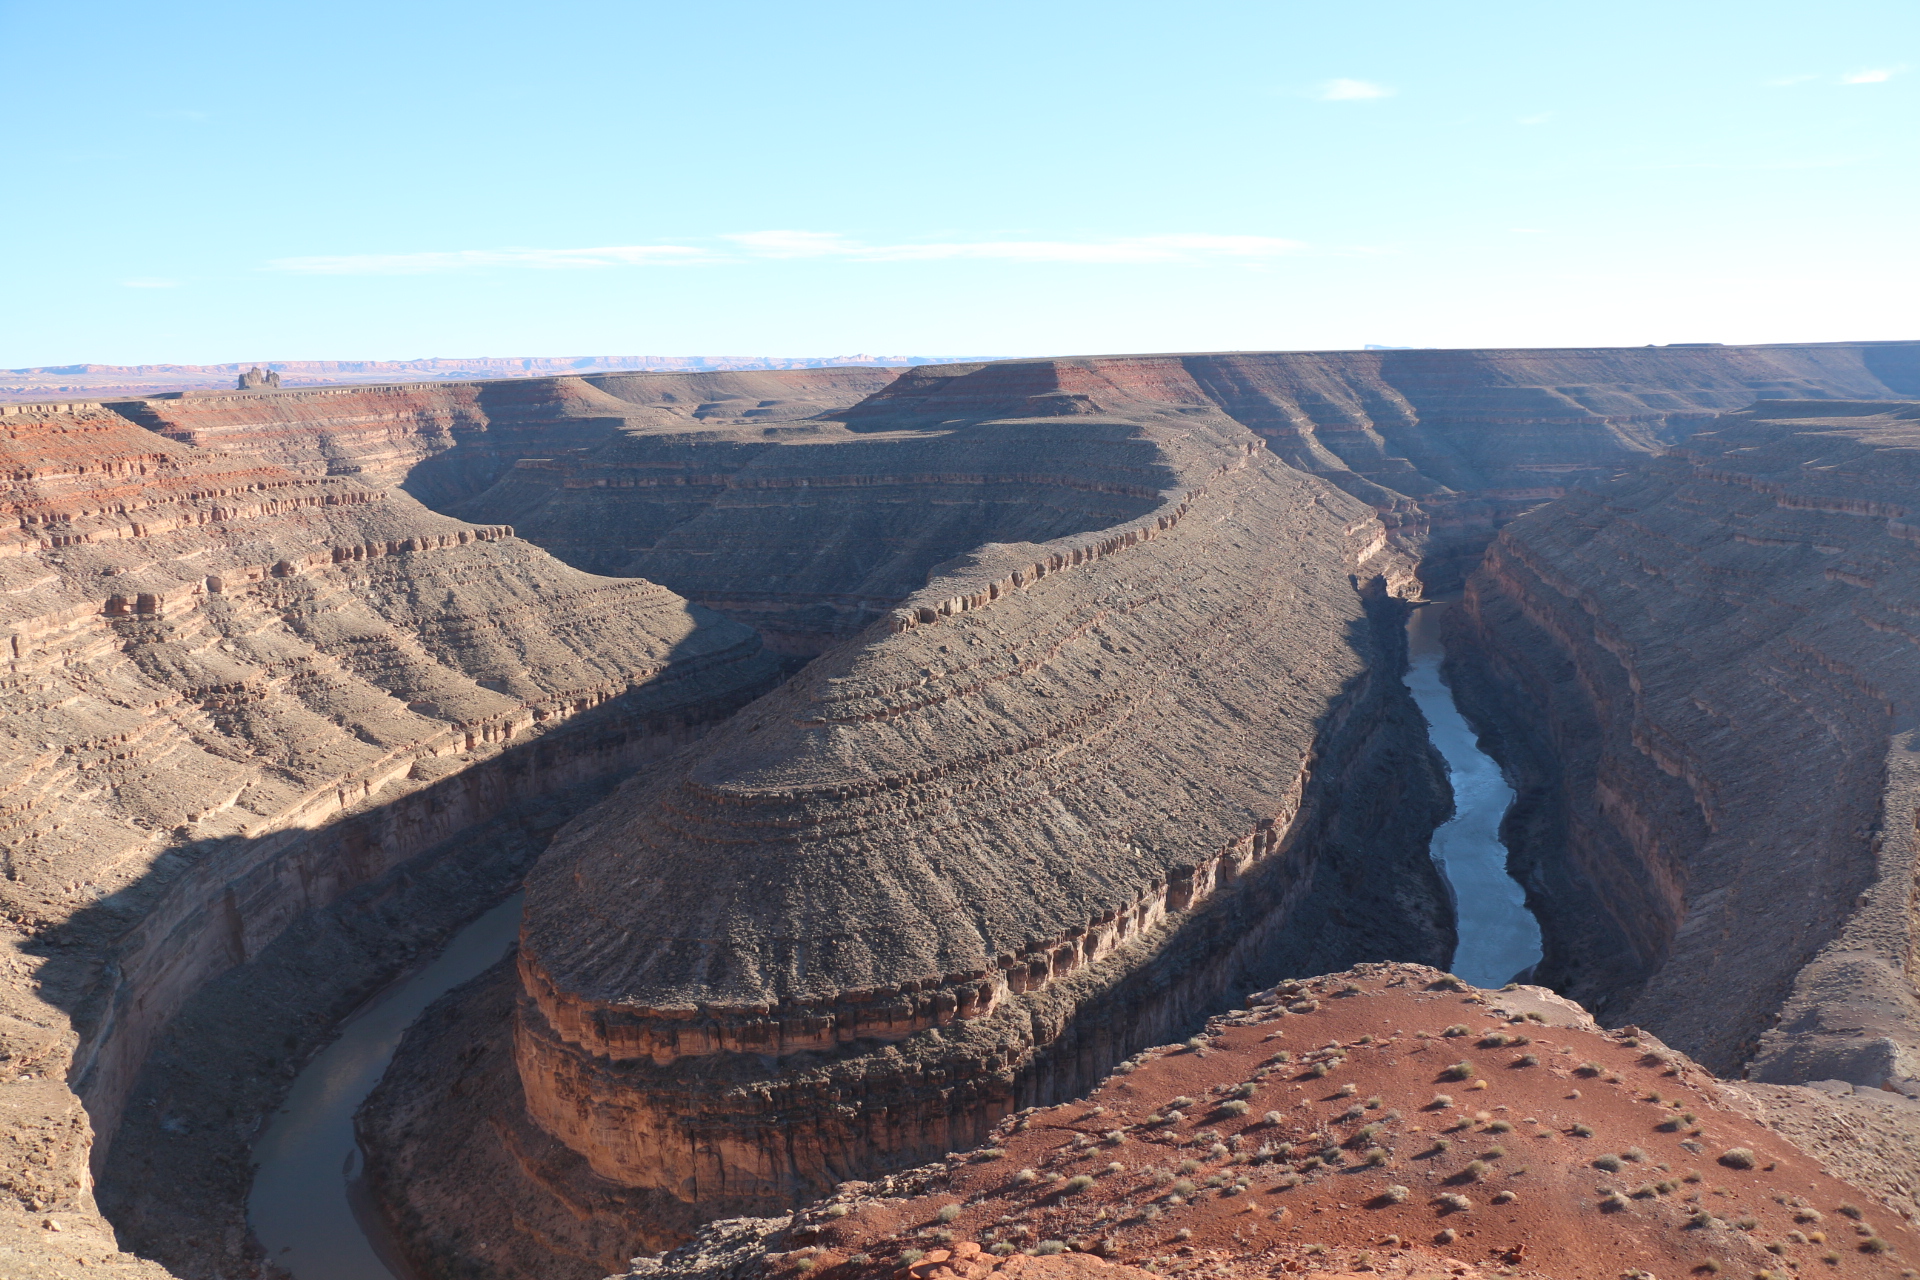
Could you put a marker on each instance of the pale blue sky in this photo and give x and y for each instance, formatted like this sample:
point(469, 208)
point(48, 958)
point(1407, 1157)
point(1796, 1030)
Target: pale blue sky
point(199, 181)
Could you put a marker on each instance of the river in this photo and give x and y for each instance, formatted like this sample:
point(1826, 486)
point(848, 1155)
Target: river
point(1499, 937)
point(307, 1206)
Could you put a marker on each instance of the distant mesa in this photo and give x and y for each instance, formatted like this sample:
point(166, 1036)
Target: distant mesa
point(256, 377)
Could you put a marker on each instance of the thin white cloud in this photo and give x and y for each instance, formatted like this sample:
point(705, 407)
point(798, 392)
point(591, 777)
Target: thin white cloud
point(1875, 75)
point(1352, 91)
point(149, 282)
point(1179, 247)
point(1124, 249)
point(1542, 118)
point(416, 264)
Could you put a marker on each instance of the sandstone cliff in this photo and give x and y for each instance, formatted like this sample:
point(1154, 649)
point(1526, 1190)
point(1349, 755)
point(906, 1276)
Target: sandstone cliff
point(1702, 678)
point(236, 690)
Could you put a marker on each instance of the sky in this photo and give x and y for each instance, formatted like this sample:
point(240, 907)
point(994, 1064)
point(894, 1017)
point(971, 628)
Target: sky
point(200, 182)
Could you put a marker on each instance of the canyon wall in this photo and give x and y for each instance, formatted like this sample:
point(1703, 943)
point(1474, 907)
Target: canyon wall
point(1702, 679)
point(235, 690)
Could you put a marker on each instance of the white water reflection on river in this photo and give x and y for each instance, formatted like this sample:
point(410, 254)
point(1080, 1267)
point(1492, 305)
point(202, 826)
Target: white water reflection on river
point(1499, 938)
point(306, 1206)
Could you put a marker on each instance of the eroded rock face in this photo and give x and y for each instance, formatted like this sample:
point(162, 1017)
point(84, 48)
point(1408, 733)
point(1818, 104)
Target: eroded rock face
point(1053, 808)
point(1703, 678)
point(235, 691)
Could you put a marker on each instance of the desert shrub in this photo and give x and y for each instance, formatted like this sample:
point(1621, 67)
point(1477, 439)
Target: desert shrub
point(1025, 1178)
point(948, 1212)
point(911, 1256)
point(1611, 1163)
point(1076, 1184)
point(1459, 1071)
point(1440, 1102)
point(1737, 1158)
point(1454, 1203)
point(1395, 1194)
point(1499, 1126)
point(1613, 1202)
point(1272, 1117)
point(1047, 1247)
point(1234, 1107)
point(1475, 1170)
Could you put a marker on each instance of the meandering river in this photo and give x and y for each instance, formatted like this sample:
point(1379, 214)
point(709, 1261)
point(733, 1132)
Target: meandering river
point(1499, 937)
point(308, 1206)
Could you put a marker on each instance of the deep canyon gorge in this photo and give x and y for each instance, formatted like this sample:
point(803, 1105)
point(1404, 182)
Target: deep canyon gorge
point(887, 751)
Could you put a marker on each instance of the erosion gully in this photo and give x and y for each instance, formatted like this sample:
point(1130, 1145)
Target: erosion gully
point(307, 1206)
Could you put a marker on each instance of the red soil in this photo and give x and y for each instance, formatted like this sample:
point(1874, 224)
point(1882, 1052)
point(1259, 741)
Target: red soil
point(1536, 1113)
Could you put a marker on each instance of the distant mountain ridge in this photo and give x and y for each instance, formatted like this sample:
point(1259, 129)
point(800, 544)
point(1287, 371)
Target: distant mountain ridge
point(133, 379)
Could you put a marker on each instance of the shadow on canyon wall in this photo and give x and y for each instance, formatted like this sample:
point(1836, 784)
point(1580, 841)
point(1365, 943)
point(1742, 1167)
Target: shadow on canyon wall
point(358, 902)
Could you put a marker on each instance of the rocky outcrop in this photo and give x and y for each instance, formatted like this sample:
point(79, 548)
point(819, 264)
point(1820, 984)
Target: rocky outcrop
point(1305, 1136)
point(1055, 806)
point(237, 690)
point(1702, 679)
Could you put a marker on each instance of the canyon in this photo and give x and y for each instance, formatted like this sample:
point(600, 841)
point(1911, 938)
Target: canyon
point(914, 747)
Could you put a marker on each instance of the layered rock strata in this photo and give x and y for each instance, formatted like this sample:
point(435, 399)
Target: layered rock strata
point(1304, 1136)
point(1702, 679)
point(1445, 445)
point(1052, 808)
point(234, 691)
